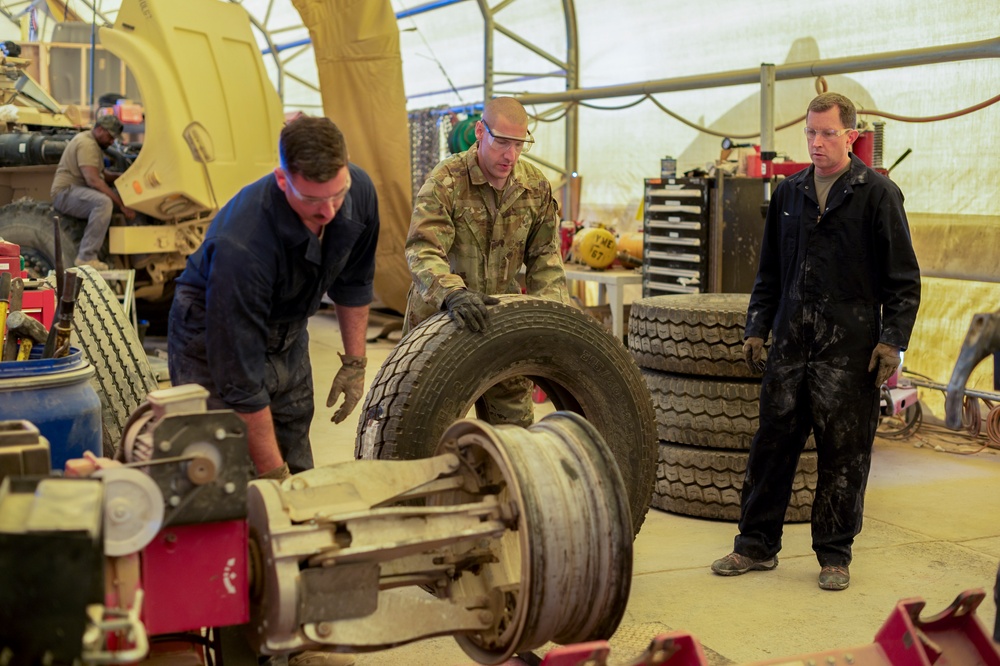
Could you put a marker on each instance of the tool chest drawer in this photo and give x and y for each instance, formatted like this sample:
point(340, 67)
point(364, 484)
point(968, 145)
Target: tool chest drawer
point(675, 236)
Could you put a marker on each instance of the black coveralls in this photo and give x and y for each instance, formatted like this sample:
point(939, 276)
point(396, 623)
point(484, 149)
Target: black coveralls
point(238, 321)
point(828, 290)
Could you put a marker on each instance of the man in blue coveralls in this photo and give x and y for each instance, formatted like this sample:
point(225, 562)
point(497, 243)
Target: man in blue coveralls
point(238, 321)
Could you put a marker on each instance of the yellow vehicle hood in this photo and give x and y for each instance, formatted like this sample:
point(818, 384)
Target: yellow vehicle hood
point(212, 115)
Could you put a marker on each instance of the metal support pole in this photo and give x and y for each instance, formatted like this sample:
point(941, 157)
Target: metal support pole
point(972, 393)
point(996, 371)
point(715, 226)
point(93, 65)
point(767, 152)
point(572, 128)
point(988, 48)
point(489, 26)
point(570, 65)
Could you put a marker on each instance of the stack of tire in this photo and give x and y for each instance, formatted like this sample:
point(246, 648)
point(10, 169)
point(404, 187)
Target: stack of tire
point(689, 348)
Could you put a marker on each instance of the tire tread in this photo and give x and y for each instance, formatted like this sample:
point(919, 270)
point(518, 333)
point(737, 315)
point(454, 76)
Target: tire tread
point(707, 483)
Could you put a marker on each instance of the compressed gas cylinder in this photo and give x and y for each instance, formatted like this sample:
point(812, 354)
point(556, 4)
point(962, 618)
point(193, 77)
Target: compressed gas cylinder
point(595, 247)
point(630, 249)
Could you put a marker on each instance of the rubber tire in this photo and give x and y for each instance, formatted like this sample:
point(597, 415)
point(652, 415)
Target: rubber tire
point(123, 375)
point(707, 483)
point(705, 411)
point(690, 334)
point(28, 223)
point(437, 372)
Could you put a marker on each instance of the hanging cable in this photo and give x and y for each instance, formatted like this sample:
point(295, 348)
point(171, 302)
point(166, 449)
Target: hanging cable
point(971, 418)
point(700, 128)
point(993, 426)
point(615, 108)
point(821, 87)
point(930, 119)
point(544, 117)
point(705, 130)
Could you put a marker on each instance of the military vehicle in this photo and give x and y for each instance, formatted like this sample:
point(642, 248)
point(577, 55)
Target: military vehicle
point(211, 125)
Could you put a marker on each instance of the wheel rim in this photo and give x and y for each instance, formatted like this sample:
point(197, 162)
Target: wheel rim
point(438, 372)
point(564, 573)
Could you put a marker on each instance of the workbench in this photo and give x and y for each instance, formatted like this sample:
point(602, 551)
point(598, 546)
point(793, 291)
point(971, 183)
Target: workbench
point(610, 289)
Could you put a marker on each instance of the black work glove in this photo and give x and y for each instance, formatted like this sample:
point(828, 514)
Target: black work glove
point(469, 308)
point(350, 381)
point(753, 352)
point(886, 359)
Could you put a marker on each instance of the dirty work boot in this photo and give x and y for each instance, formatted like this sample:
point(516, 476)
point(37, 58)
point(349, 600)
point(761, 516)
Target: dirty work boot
point(316, 658)
point(96, 264)
point(735, 564)
point(834, 578)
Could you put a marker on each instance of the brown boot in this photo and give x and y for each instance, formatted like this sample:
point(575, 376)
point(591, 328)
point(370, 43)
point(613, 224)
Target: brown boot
point(735, 564)
point(834, 578)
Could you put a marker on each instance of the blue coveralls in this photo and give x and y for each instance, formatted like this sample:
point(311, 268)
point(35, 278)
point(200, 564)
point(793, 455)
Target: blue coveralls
point(238, 321)
point(828, 289)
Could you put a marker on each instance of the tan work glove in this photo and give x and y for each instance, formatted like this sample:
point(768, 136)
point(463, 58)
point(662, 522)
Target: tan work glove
point(753, 352)
point(350, 381)
point(886, 359)
point(468, 308)
point(278, 474)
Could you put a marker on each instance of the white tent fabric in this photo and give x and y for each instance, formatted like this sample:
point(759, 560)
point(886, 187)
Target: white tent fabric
point(637, 40)
point(948, 182)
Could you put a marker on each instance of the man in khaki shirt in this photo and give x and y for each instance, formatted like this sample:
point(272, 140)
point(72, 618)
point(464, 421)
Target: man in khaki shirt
point(80, 187)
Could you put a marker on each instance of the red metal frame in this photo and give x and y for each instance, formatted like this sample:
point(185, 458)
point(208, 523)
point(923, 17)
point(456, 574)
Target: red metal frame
point(196, 576)
point(902, 398)
point(953, 637)
point(772, 168)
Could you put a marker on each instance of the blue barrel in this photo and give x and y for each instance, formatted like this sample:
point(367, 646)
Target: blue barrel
point(55, 394)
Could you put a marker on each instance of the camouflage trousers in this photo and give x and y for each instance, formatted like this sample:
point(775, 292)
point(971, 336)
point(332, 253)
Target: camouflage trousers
point(508, 401)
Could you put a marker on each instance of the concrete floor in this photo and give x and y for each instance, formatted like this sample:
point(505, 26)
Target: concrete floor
point(931, 530)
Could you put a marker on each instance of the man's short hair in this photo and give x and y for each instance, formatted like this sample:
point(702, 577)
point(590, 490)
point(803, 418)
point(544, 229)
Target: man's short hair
point(313, 148)
point(828, 100)
point(507, 108)
point(111, 124)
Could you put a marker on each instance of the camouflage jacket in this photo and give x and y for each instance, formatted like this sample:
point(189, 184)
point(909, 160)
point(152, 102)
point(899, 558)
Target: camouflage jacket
point(459, 236)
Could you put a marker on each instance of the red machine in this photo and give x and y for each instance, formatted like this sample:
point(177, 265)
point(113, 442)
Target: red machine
point(770, 168)
point(179, 538)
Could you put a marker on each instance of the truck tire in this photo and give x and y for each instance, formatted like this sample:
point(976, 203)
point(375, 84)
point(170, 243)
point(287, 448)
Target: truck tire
point(437, 372)
point(700, 411)
point(707, 483)
point(706, 411)
point(28, 223)
point(123, 376)
point(691, 334)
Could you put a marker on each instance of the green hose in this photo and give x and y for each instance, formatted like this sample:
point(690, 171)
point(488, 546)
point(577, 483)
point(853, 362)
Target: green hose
point(463, 134)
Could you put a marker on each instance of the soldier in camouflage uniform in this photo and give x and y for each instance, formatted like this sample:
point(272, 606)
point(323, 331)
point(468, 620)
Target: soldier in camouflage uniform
point(480, 216)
